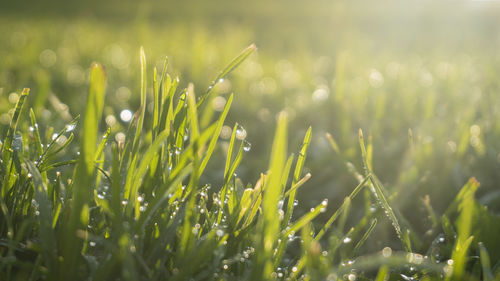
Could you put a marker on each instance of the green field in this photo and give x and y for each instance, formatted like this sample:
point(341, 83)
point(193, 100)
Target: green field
point(265, 140)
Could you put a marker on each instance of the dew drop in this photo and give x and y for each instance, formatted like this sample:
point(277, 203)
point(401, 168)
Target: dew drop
point(70, 127)
point(126, 115)
point(247, 146)
point(241, 133)
point(386, 252)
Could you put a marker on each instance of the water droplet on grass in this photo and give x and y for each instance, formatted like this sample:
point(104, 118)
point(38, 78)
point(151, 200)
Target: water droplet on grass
point(126, 115)
point(386, 252)
point(70, 127)
point(241, 133)
point(247, 146)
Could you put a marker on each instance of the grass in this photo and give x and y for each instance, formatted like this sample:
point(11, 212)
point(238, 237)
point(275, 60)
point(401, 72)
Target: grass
point(135, 208)
point(165, 178)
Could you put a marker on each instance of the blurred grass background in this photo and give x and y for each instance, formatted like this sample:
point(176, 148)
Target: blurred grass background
point(385, 66)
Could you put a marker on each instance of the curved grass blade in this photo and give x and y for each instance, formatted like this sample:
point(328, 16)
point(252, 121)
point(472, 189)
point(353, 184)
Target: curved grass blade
point(230, 67)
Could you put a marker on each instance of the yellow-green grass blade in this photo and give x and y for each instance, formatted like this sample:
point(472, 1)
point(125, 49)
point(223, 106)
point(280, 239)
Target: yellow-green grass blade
point(7, 143)
point(367, 234)
point(297, 181)
point(340, 210)
point(215, 137)
point(226, 70)
point(305, 219)
point(142, 109)
point(269, 228)
point(464, 229)
point(84, 173)
point(47, 235)
point(485, 263)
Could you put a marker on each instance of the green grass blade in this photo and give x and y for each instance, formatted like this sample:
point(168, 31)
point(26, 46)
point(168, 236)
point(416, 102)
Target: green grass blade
point(485, 263)
point(296, 186)
point(192, 113)
point(366, 235)
point(268, 225)
point(297, 181)
point(36, 133)
point(339, 211)
point(230, 67)
point(215, 137)
point(230, 151)
point(382, 201)
point(142, 169)
point(7, 144)
point(142, 109)
point(84, 174)
point(464, 229)
point(47, 237)
point(305, 219)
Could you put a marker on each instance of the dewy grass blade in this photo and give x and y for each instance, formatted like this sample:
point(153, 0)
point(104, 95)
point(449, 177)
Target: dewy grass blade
point(305, 219)
point(103, 143)
point(268, 224)
point(84, 173)
point(230, 67)
point(381, 199)
point(297, 185)
point(47, 235)
point(36, 133)
point(7, 144)
point(143, 168)
point(38, 142)
point(366, 235)
point(297, 181)
point(230, 152)
point(335, 215)
point(286, 172)
point(215, 137)
point(236, 61)
point(49, 152)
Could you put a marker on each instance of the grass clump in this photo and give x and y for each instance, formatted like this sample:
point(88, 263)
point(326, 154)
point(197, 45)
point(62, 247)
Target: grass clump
point(135, 208)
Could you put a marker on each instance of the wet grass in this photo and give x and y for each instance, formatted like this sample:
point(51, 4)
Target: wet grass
point(92, 203)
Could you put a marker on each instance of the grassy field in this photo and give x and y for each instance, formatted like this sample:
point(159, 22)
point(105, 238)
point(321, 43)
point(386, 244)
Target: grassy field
point(351, 142)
